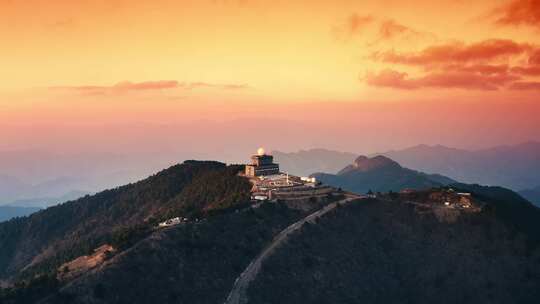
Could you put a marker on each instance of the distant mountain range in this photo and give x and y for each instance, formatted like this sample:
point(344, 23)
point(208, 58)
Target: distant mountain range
point(515, 167)
point(381, 174)
point(15, 192)
point(306, 162)
point(39, 178)
point(28, 206)
point(533, 195)
point(8, 212)
point(44, 202)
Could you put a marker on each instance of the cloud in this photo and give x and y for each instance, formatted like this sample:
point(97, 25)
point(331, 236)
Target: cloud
point(391, 79)
point(527, 70)
point(352, 26)
point(390, 29)
point(380, 30)
point(195, 85)
point(149, 85)
point(62, 23)
point(456, 53)
point(484, 69)
point(442, 79)
point(127, 86)
point(356, 23)
point(518, 12)
point(525, 85)
point(534, 59)
point(486, 65)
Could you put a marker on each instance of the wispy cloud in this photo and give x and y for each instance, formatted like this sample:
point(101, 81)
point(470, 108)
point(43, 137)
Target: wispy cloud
point(161, 85)
point(353, 25)
point(518, 12)
point(195, 85)
point(442, 79)
point(377, 29)
point(391, 30)
point(456, 53)
point(525, 85)
point(62, 23)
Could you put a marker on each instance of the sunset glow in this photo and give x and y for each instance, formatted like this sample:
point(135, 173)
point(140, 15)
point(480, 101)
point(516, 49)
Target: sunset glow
point(412, 72)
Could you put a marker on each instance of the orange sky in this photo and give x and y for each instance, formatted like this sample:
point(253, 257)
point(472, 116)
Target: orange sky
point(172, 62)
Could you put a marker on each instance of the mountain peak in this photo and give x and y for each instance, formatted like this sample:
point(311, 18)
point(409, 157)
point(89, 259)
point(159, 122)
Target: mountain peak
point(365, 164)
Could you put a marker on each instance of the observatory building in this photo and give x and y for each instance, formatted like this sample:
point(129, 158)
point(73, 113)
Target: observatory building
point(262, 164)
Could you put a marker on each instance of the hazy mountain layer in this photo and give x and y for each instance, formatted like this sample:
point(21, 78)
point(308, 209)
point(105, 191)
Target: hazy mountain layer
point(533, 195)
point(8, 212)
point(514, 167)
point(306, 162)
point(380, 174)
point(40, 178)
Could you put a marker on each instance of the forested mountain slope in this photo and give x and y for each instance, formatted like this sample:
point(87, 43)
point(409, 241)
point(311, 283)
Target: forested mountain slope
point(43, 241)
point(192, 263)
point(385, 251)
point(397, 248)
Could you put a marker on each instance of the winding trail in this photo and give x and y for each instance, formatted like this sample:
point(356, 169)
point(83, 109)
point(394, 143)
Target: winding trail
point(238, 292)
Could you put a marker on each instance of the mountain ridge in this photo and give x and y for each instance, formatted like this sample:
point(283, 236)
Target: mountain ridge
point(198, 261)
point(364, 164)
point(49, 237)
point(380, 174)
point(511, 166)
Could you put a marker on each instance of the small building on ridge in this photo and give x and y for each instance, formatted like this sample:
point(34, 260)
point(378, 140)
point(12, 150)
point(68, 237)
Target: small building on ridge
point(261, 164)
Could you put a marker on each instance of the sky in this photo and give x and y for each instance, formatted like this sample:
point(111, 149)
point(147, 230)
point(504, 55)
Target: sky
point(219, 78)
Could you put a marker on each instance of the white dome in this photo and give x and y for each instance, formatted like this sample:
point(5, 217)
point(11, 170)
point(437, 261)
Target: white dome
point(260, 151)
